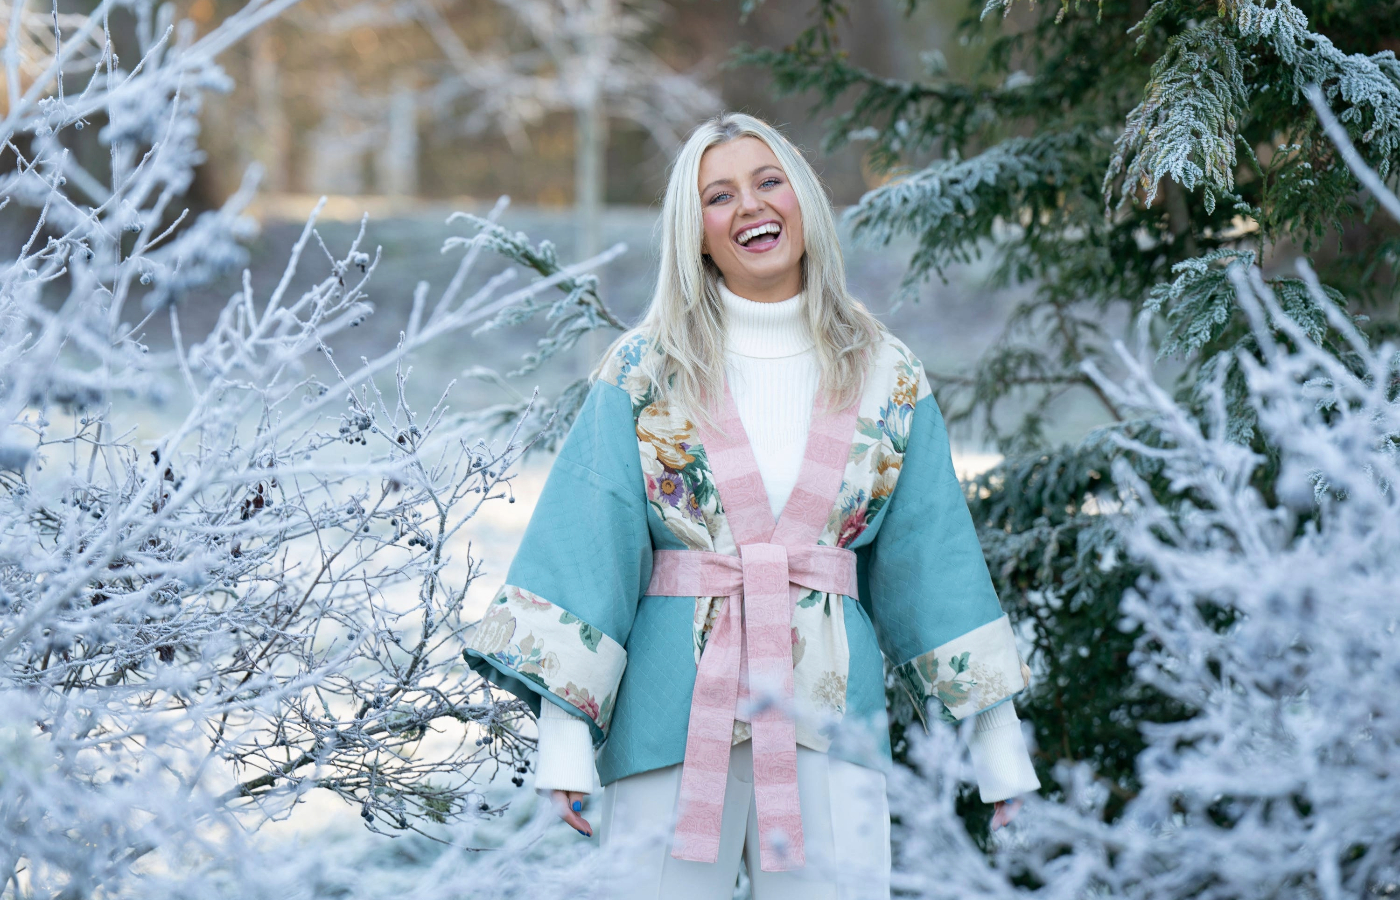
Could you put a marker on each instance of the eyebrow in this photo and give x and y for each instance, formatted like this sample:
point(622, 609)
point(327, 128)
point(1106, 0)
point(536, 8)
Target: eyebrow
point(731, 181)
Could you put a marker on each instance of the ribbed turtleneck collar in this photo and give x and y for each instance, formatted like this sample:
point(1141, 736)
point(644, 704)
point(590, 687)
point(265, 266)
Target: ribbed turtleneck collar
point(764, 330)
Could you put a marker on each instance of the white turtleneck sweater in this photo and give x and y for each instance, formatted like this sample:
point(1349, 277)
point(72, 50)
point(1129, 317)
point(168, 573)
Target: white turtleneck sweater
point(773, 373)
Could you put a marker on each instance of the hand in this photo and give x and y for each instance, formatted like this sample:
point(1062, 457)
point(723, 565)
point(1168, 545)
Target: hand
point(1005, 812)
point(568, 804)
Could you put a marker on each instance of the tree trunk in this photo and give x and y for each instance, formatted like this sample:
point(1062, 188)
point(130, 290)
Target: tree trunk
point(272, 142)
point(397, 158)
point(590, 158)
point(590, 178)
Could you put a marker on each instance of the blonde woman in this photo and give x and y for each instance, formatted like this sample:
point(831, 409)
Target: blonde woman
point(754, 511)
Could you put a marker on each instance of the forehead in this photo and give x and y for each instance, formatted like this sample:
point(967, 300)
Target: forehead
point(735, 160)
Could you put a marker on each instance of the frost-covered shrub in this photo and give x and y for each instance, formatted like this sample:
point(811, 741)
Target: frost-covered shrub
point(1272, 615)
point(232, 570)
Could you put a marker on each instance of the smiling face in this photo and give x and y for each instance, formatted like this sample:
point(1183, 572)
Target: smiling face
point(753, 225)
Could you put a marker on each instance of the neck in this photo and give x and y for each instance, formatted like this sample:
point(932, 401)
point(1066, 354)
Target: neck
point(773, 291)
point(765, 330)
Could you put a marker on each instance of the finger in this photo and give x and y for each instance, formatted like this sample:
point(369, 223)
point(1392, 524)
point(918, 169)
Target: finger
point(568, 804)
point(1005, 812)
point(579, 823)
point(564, 801)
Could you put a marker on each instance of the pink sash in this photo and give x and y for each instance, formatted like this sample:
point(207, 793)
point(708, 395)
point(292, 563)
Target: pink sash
point(751, 642)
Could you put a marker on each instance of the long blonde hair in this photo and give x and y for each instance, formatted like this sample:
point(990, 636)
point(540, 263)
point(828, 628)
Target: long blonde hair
point(685, 319)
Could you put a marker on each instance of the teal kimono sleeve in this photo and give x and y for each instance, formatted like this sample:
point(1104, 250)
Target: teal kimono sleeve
point(558, 626)
point(936, 614)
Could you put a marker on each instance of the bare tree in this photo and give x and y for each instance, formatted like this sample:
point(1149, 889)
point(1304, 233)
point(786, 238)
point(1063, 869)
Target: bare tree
point(587, 58)
point(232, 569)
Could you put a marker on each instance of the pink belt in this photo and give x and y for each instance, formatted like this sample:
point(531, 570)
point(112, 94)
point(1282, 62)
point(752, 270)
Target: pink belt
point(769, 579)
point(750, 645)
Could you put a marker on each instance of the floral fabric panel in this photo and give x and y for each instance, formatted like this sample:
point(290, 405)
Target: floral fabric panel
point(680, 486)
point(967, 674)
point(886, 415)
point(821, 660)
point(821, 655)
point(550, 647)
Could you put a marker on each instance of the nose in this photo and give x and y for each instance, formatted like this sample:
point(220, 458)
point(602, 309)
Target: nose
point(749, 201)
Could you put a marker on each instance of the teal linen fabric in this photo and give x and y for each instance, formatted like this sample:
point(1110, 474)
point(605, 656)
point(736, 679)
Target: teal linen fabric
point(928, 579)
point(586, 548)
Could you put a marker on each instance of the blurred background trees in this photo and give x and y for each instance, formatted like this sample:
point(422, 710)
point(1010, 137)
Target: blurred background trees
point(492, 88)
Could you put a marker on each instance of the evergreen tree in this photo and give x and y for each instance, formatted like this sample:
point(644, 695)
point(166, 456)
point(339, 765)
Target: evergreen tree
point(1122, 158)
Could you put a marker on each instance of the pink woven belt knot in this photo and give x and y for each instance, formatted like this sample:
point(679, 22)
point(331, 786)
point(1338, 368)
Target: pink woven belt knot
point(761, 587)
point(750, 645)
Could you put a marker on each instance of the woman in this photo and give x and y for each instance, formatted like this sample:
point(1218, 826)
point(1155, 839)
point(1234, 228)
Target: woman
point(755, 508)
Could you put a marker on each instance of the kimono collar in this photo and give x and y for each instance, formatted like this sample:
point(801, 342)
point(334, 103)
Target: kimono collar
point(764, 330)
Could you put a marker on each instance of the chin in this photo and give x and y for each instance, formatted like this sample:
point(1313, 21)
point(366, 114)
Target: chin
point(769, 270)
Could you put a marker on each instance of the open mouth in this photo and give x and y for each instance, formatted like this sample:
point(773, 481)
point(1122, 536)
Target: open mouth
point(759, 237)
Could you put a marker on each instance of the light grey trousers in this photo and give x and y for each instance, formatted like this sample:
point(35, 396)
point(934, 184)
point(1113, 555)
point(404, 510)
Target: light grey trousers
point(845, 825)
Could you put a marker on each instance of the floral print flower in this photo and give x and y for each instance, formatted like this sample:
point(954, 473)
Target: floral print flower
point(652, 467)
point(670, 487)
point(991, 682)
point(581, 698)
point(627, 356)
point(877, 455)
point(524, 598)
point(556, 646)
point(887, 466)
point(666, 431)
point(536, 660)
point(676, 472)
point(493, 633)
point(906, 387)
point(830, 691)
point(852, 518)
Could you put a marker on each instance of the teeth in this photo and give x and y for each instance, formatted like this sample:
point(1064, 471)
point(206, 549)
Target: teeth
point(750, 234)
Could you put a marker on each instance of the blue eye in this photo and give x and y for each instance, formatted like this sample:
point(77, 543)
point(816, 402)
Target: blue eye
point(717, 196)
point(768, 181)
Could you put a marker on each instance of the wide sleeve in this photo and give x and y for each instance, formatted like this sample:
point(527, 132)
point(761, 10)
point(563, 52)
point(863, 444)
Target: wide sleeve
point(936, 614)
point(557, 628)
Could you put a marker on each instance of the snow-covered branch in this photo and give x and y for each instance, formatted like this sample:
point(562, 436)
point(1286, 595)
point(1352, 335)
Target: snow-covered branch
point(233, 566)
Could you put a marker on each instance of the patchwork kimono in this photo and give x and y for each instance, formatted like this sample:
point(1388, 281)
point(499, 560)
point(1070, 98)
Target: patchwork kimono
point(654, 596)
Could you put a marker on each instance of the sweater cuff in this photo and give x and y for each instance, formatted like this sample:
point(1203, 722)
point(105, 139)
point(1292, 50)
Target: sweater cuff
point(1000, 758)
point(565, 761)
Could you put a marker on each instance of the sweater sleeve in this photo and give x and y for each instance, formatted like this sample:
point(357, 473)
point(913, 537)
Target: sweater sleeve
point(1000, 757)
point(565, 760)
